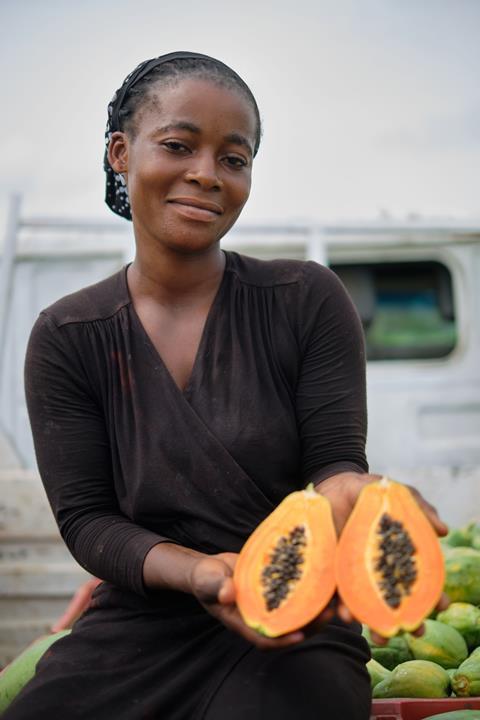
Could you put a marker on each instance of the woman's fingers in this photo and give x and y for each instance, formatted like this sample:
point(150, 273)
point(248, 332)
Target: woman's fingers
point(419, 631)
point(344, 613)
point(208, 578)
point(430, 511)
point(230, 617)
point(443, 603)
point(226, 594)
point(319, 622)
point(227, 612)
point(229, 558)
point(378, 639)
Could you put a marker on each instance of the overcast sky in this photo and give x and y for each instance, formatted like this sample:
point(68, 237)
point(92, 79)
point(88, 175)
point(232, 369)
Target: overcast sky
point(369, 106)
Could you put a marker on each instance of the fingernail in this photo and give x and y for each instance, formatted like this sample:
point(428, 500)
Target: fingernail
point(297, 637)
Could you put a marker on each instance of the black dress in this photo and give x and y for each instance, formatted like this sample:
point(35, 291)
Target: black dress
point(276, 398)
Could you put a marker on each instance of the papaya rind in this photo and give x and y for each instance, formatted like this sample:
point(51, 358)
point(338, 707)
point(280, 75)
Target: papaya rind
point(440, 643)
point(465, 618)
point(460, 537)
point(377, 672)
point(395, 651)
point(414, 678)
point(466, 679)
point(462, 574)
point(456, 715)
point(16, 675)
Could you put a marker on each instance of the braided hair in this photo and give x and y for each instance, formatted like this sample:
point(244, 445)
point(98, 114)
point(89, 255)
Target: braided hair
point(137, 90)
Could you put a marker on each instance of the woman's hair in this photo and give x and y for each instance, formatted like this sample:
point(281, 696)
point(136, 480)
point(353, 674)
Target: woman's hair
point(137, 90)
point(171, 72)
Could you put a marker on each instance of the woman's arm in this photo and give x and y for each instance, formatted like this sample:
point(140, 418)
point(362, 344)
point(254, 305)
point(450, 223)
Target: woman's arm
point(330, 398)
point(170, 567)
point(74, 459)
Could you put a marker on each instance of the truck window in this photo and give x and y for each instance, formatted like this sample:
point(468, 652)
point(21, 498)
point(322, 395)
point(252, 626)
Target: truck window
point(406, 308)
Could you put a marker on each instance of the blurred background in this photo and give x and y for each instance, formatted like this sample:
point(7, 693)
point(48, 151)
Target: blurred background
point(369, 108)
point(369, 162)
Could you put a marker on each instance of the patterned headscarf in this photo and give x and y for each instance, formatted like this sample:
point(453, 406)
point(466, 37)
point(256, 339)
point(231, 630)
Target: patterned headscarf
point(116, 194)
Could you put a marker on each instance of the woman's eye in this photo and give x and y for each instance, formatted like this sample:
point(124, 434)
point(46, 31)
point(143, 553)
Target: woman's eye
point(235, 161)
point(175, 146)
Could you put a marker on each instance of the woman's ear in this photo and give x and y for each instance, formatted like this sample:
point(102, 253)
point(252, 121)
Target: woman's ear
point(118, 152)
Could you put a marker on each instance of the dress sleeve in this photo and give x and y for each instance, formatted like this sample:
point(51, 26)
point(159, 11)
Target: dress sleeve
point(73, 454)
point(331, 390)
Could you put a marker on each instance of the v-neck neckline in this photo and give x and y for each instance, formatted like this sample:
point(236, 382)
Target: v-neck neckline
point(184, 392)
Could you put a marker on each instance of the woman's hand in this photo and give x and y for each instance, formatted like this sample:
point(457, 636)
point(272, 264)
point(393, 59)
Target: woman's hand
point(212, 584)
point(342, 491)
point(211, 577)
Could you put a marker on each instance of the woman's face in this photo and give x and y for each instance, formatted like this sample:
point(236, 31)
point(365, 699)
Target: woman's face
point(189, 164)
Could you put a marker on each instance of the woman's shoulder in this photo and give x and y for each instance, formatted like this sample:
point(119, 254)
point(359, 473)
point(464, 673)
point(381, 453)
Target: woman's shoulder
point(281, 271)
point(98, 301)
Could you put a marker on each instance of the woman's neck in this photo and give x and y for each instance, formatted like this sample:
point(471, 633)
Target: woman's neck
point(169, 277)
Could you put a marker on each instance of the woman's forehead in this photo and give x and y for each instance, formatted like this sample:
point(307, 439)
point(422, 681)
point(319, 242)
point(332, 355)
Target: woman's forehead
point(192, 104)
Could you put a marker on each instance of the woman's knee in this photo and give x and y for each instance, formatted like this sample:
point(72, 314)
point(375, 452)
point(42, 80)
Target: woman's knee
point(320, 682)
point(307, 682)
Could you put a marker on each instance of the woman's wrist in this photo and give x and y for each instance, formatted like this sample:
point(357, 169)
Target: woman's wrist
point(168, 566)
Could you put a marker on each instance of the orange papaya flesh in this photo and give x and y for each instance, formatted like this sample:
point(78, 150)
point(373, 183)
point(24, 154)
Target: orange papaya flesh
point(389, 565)
point(285, 573)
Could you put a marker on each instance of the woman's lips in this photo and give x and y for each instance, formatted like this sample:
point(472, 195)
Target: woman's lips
point(194, 210)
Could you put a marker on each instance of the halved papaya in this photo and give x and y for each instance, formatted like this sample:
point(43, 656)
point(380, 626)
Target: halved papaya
point(285, 572)
point(389, 566)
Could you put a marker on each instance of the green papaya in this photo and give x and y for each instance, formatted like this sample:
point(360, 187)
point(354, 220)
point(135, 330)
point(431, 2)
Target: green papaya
point(440, 643)
point(451, 672)
point(465, 618)
point(377, 672)
point(466, 679)
point(462, 574)
point(22, 669)
point(414, 678)
point(459, 537)
point(456, 715)
point(475, 543)
point(390, 655)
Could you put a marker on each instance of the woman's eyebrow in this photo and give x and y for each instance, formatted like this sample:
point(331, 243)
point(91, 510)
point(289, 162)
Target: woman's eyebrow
point(235, 138)
point(180, 125)
point(238, 139)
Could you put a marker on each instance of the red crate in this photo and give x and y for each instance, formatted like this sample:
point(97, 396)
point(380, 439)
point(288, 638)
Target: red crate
point(418, 709)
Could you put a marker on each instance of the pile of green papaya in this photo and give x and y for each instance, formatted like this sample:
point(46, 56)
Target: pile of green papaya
point(446, 659)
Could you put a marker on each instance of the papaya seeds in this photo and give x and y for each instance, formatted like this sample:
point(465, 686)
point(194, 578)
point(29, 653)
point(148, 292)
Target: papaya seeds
point(284, 576)
point(389, 566)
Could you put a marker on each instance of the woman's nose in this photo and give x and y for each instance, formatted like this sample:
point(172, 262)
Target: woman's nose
point(203, 171)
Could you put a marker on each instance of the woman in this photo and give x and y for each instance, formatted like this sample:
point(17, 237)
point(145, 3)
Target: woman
point(173, 405)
